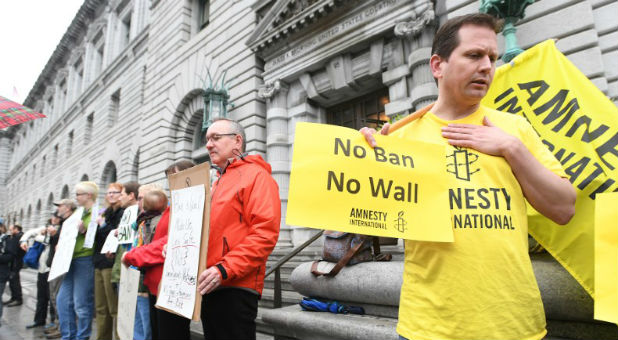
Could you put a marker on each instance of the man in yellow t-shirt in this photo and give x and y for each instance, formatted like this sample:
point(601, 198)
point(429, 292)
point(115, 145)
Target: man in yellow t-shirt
point(481, 286)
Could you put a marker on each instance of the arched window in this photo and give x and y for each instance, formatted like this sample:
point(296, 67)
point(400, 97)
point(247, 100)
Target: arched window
point(135, 167)
point(49, 207)
point(84, 178)
point(65, 192)
point(28, 223)
point(199, 153)
point(109, 174)
point(38, 216)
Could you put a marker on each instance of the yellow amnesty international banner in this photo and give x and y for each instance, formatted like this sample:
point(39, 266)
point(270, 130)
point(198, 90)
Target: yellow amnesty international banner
point(606, 258)
point(339, 182)
point(579, 125)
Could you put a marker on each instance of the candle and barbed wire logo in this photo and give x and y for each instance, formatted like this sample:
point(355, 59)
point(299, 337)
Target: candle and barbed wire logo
point(400, 222)
point(461, 166)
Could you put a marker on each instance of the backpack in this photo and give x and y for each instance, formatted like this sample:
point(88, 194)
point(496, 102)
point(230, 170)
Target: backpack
point(348, 249)
point(31, 259)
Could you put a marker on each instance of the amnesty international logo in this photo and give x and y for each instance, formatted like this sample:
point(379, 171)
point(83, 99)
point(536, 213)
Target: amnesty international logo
point(400, 222)
point(461, 165)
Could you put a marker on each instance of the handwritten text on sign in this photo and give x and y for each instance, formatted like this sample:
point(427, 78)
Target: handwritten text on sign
point(339, 182)
point(179, 281)
point(125, 232)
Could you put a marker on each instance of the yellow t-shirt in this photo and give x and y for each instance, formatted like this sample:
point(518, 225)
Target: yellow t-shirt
point(482, 285)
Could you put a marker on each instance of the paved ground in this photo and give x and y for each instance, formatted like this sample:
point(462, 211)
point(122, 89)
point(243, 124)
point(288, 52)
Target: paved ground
point(15, 319)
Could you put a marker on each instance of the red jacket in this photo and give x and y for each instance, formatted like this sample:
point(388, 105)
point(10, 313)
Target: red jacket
point(245, 213)
point(150, 256)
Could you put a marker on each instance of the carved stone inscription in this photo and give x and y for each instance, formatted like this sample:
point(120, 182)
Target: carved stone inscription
point(339, 28)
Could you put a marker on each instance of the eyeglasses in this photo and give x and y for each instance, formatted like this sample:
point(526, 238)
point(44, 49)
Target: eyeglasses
point(113, 192)
point(216, 136)
point(81, 193)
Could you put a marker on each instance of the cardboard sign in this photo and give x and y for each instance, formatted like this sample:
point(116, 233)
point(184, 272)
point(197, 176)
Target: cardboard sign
point(127, 301)
point(339, 182)
point(187, 243)
point(66, 245)
point(111, 243)
point(125, 232)
point(92, 226)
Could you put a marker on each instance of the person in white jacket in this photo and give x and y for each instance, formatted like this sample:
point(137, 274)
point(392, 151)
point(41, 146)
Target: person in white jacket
point(40, 235)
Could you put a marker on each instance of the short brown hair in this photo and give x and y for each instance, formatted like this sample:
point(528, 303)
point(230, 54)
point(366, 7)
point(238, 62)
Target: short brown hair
point(182, 164)
point(154, 200)
point(447, 37)
point(131, 188)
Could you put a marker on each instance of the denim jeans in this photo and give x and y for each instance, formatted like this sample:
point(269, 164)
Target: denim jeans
point(76, 299)
point(3, 281)
point(141, 328)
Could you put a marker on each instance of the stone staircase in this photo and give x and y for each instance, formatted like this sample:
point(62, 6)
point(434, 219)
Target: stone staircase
point(569, 309)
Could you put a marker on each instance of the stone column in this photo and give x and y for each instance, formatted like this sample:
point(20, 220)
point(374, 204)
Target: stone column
point(111, 41)
point(396, 80)
point(5, 153)
point(140, 17)
point(302, 110)
point(422, 85)
point(418, 35)
point(277, 145)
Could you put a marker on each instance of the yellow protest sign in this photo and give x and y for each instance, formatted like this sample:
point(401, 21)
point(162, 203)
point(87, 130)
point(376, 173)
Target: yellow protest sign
point(579, 125)
point(606, 258)
point(339, 182)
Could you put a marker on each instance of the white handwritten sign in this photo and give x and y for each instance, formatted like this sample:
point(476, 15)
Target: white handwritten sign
point(127, 300)
point(66, 245)
point(111, 243)
point(125, 232)
point(179, 281)
point(92, 226)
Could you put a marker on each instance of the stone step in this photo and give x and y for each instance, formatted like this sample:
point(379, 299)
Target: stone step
point(293, 322)
point(285, 283)
point(287, 298)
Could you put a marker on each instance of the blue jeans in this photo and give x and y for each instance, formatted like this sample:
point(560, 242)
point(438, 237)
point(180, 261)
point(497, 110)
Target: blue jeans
point(3, 280)
point(76, 299)
point(141, 328)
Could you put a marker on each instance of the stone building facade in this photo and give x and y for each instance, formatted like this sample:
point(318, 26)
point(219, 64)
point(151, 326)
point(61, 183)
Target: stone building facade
point(123, 90)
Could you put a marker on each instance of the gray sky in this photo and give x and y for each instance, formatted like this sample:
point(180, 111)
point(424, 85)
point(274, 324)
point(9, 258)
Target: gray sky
point(29, 33)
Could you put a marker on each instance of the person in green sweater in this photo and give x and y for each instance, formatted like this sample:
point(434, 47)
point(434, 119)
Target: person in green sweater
point(76, 296)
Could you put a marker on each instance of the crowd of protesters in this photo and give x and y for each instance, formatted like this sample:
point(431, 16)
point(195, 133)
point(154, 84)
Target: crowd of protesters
point(232, 282)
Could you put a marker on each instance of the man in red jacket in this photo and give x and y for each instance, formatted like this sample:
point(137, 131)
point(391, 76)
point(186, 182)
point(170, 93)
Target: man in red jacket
point(245, 214)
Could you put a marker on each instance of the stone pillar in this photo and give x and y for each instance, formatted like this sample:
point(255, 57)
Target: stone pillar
point(277, 147)
point(418, 35)
point(5, 153)
point(109, 53)
point(396, 80)
point(140, 17)
point(423, 88)
point(303, 111)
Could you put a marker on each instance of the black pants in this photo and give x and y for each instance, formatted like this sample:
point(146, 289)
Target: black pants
point(15, 285)
point(229, 313)
point(42, 299)
point(166, 325)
